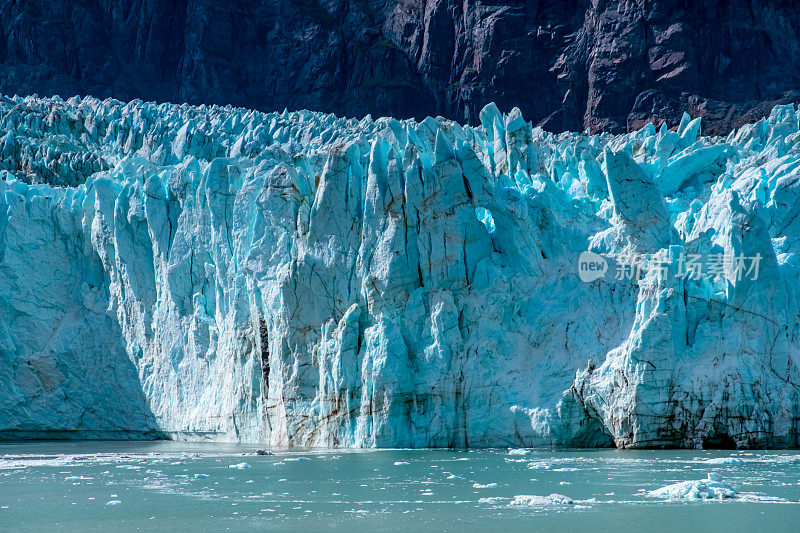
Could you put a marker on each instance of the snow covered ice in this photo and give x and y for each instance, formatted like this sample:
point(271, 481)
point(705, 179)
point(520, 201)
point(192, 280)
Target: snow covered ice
point(301, 279)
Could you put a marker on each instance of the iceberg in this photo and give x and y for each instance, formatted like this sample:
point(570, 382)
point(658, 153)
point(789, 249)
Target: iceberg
point(518, 451)
point(711, 488)
point(300, 279)
point(528, 500)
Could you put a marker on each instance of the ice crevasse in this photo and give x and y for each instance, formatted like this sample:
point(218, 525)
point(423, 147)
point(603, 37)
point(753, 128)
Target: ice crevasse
point(300, 279)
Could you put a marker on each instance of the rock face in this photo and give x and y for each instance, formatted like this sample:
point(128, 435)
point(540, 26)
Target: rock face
point(301, 279)
point(610, 65)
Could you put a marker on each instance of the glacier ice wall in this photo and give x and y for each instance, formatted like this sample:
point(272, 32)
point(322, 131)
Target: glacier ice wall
point(301, 279)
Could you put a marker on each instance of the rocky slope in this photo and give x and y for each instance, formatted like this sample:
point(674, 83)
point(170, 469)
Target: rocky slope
point(301, 279)
point(611, 65)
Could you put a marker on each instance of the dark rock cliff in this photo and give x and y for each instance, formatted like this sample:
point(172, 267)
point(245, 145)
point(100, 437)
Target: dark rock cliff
point(567, 64)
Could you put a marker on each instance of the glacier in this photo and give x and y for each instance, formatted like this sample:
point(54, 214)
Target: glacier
point(299, 279)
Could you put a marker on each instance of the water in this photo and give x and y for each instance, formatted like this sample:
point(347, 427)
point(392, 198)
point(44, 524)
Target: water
point(165, 485)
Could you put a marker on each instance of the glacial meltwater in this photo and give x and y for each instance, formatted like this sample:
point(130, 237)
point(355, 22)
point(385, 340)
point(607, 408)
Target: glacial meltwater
point(127, 486)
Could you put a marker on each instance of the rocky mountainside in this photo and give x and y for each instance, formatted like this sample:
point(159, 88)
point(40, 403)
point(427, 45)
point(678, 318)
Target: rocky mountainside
point(609, 65)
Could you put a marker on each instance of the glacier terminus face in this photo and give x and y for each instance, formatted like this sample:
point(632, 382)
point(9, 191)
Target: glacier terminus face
point(299, 279)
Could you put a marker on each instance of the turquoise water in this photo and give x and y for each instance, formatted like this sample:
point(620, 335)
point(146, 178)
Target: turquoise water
point(165, 485)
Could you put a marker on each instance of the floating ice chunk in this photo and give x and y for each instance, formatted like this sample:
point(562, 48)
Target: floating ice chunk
point(240, 466)
point(759, 498)
point(519, 451)
point(486, 486)
point(398, 463)
point(539, 464)
point(114, 502)
point(200, 476)
point(703, 489)
point(724, 460)
point(529, 500)
point(297, 459)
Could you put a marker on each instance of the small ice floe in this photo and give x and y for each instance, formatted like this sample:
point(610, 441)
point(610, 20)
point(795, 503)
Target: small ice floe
point(539, 464)
point(200, 476)
point(529, 500)
point(239, 466)
point(724, 460)
point(519, 451)
point(711, 488)
point(493, 500)
point(114, 502)
point(759, 498)
point(398, 463)
point(297, 459)
point(486, 486)
point(453, 476)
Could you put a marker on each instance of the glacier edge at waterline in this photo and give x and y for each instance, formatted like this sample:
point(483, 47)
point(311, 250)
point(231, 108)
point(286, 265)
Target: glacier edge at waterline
point(299, 279)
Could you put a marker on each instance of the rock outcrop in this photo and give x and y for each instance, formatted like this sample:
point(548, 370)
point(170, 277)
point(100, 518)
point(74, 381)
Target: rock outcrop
point(611, 65)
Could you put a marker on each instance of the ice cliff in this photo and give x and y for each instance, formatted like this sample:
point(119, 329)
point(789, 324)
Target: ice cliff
point(302, 279)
